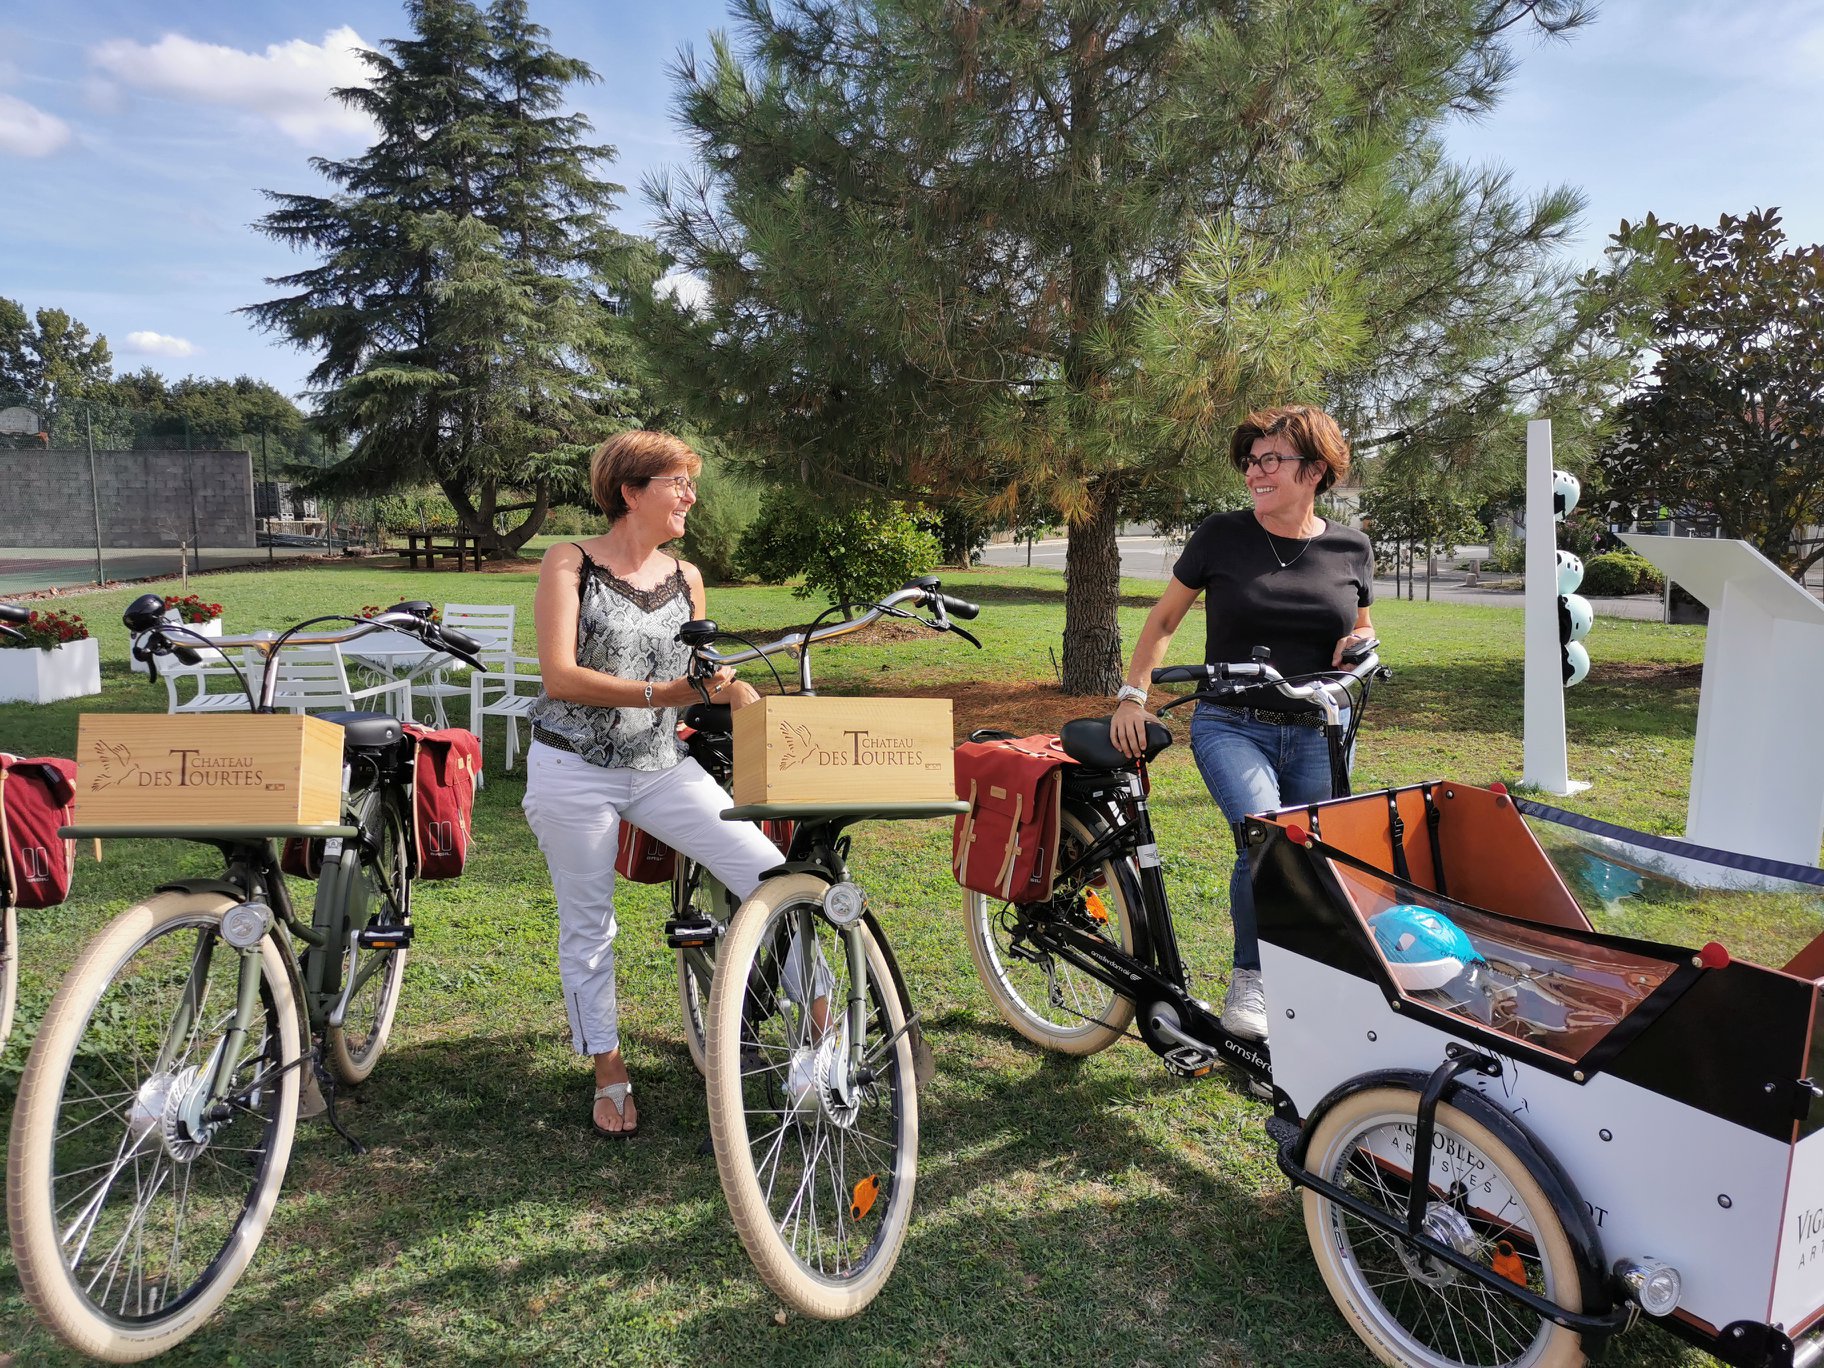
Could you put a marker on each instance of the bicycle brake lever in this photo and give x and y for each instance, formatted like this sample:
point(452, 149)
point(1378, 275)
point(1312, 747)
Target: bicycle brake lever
point(966, 636)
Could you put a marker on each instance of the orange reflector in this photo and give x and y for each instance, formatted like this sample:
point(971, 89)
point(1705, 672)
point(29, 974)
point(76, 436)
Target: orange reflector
point(1507, 1263)
point(865, 1193)
point(1098, 910)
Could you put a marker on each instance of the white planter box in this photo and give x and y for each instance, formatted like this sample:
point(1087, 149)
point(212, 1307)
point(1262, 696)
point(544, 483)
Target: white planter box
point(72, 670)
point(211, 628)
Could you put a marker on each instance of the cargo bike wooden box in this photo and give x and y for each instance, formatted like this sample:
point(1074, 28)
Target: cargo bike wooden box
point(1509, 1149)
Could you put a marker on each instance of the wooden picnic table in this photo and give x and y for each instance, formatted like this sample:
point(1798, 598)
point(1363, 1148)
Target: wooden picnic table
point(431, 545)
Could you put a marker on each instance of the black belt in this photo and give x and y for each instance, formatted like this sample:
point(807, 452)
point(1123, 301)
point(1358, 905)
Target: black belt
point(1315, 721)
point(553, 740)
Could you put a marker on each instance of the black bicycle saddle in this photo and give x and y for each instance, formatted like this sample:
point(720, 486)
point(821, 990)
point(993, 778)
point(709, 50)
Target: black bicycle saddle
point(1086, 741)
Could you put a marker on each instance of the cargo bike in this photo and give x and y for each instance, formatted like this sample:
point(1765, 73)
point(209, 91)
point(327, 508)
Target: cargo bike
point(1516, 1136)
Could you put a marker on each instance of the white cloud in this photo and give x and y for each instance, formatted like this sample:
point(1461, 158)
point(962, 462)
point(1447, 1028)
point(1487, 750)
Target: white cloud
point(158, 344)
point(288, 83)
point(692, 291)
point(26, 131)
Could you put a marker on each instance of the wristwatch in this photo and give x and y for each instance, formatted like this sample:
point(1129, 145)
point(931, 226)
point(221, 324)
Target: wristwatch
point(1130, 693)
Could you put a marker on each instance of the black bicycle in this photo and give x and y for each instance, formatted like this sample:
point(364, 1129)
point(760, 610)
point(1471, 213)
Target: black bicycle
point(1073, 972)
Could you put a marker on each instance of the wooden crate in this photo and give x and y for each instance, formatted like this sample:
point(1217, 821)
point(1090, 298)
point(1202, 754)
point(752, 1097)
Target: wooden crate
point(791, 749)
point(224, 770)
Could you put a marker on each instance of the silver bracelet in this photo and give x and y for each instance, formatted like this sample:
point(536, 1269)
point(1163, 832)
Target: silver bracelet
point(1130, 693)
point(649, 693)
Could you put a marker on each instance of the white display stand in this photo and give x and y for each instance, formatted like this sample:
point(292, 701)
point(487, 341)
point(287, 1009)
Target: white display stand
point(1544, 763)
point(1757, 779)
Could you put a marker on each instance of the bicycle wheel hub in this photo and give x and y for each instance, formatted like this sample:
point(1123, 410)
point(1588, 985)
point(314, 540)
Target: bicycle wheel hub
point(181, 1125)
point(1447, 1226)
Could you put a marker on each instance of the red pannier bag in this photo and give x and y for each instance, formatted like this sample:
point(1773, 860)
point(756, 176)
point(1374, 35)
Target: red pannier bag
point(644, 858)
point(445, 767)
point(37, 795)
point(1006, 845)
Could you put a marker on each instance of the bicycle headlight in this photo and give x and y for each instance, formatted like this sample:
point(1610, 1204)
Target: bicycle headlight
point(1655, 1284)
point(844, 904)
point(244, 925)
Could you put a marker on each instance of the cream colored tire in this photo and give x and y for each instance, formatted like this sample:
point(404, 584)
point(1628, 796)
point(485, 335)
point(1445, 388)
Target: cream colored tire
point(1417, 1312)
point(9, 969)
point(776, 1162)
point(141, 963)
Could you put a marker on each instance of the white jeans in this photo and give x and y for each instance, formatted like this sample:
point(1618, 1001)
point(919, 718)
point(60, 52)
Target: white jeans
point(575, 809)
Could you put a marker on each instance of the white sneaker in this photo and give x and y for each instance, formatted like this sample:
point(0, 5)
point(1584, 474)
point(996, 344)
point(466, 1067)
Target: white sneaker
point(1244, 1009)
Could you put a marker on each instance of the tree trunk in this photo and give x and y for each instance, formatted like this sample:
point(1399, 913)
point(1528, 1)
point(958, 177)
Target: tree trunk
point(1092, 594)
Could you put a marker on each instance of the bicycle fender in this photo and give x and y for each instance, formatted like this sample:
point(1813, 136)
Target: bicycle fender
point(815, 868)
point(1541, 1166)
point(205, 885)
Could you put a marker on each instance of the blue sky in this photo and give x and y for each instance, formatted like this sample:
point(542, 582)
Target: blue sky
point(134, 138)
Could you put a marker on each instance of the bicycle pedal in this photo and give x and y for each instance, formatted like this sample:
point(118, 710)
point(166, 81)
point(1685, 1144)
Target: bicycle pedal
point(1187, 1061)
point(689, 935)
point(385, 937)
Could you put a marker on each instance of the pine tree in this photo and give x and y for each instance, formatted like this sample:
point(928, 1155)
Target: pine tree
point(979, 251)
point(466, 307)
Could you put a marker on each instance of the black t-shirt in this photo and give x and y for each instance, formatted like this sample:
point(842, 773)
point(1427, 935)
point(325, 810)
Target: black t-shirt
point(1299, 610)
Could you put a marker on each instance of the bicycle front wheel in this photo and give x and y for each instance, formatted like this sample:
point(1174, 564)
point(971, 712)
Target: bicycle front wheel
point(354, 1047)
point(1048, 1000)
point(1411, 1309)
point(137, 1190)
point(9, 969)
point(818, 1160)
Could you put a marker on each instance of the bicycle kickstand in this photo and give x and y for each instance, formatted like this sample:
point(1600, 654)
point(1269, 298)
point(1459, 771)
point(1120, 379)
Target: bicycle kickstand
point(326, 1084)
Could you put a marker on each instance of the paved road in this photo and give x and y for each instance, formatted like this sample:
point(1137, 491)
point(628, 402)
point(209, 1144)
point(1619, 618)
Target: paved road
point(29, 569)
point(1152, 558)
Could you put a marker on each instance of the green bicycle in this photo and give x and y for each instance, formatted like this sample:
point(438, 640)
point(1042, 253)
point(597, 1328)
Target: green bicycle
point(156, 1112)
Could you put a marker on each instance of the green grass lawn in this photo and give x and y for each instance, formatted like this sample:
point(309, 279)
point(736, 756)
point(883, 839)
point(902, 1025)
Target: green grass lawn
point(1091, 1212)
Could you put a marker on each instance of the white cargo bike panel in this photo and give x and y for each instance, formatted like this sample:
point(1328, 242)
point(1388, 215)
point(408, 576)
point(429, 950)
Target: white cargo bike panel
point(1652, 1187)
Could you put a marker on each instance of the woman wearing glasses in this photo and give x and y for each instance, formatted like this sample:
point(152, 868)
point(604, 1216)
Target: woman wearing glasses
point(604, 731)
point(1274, 575)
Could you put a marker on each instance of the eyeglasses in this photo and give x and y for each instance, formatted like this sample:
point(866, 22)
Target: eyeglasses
point(1268, 462)
point(681, 484)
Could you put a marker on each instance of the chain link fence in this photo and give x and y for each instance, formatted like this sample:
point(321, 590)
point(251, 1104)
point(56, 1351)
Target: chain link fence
point(94, 492)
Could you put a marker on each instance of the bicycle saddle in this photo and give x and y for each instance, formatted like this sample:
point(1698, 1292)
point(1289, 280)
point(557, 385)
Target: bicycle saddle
point(1086, 741)
point(709, 717)
point(365, 730)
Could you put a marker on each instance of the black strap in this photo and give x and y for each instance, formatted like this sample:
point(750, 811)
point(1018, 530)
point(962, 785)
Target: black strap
point(1434, 817)
point(1396, 828)
point(1311, 817)
point(1728, 859)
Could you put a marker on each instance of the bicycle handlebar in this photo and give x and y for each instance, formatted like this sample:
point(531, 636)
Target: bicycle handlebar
point(927, 592)
point(1330, 691)
point(10, 614)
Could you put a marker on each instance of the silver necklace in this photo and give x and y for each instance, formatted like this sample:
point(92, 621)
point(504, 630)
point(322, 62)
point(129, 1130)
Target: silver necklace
point(1304, 546)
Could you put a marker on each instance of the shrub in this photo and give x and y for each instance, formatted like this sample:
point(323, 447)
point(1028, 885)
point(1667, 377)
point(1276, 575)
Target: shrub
point(41, 631)
point(855, 555)
point(725, 509)
point(1507, 556)
point(1620, 572)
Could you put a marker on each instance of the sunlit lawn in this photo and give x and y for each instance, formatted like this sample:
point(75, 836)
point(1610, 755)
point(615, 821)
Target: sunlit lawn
point(1095, 1212)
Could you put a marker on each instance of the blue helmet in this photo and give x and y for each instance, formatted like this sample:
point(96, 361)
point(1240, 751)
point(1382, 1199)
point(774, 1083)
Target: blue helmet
point(1424, 948)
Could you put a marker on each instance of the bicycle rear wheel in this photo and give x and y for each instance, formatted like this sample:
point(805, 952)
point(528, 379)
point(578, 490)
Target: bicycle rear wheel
point(134, 1204)
point(354, 1047)
point(818, 1165)
point(696, 963)
point(9, 968)
point(1048, 1000)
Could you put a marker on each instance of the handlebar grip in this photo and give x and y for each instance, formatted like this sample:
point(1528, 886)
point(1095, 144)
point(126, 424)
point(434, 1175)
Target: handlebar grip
point(960, 608)
point(458, 641)
point(11, 613)
point(1180, 674)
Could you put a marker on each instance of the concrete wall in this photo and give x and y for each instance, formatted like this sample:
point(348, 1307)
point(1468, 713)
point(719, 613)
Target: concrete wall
point(147, 498)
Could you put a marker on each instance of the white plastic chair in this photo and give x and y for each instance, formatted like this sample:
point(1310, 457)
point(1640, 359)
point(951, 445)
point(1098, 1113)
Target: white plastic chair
point(315, 678)
point(492, 627)
point(498, 693)
point(201, 699)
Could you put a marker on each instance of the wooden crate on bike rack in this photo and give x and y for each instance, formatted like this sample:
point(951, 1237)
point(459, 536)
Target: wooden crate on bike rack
point(792, 749)
point(222, 770)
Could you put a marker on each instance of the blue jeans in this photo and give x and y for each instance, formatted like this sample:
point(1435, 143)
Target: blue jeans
point(1249, 767)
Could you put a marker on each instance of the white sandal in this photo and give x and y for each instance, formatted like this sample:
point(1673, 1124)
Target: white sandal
point(617, 1093)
